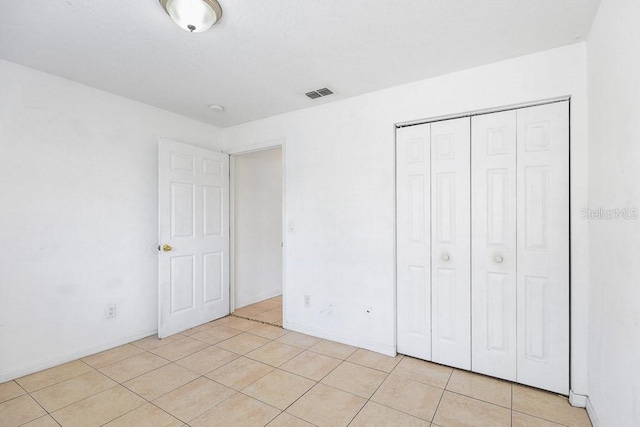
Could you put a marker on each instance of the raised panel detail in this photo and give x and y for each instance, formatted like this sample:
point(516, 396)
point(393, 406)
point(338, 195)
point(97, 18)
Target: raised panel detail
point(212, 168)
point(182, 282)
point(182, 210)
point(445, 207)
point(537, 136)
point(212, 210)
point(417, 309)
point(445, 147)
point(212, 277)
point(415, 150)
point(536, 197)
point(497, 207)
point(497, 141)
point(446, 302)
point(182, 163)
point(416, 201)
point(536, 317)
point(497, 303)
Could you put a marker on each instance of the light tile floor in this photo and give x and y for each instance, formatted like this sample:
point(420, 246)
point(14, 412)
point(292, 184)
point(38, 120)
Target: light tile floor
point(236, 372)
point(268, 311)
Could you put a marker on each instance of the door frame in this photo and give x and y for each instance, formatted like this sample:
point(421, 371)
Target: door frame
point(232, 154)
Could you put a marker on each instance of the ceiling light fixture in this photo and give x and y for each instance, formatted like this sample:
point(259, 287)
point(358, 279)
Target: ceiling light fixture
point(193, 15)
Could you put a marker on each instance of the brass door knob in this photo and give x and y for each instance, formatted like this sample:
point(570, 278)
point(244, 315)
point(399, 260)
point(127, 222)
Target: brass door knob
point(166, 248)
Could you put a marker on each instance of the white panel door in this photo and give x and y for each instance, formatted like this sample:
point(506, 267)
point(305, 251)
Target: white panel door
point(493, 212)
point(450, 243)
point(413, 241)
point(193, 265)
point(543, 247)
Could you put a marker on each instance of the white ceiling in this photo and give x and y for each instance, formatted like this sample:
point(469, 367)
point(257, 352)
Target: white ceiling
point(264, 55)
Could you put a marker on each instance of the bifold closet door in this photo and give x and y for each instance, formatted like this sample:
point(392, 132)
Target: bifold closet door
point(543, 247)
point(493, 212)
point(450, 243)
point(413, 176)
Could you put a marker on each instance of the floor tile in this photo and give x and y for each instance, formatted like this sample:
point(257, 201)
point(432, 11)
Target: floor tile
point(311, 365)
point(239, 373)
point(374, 360)
point(9, 390)
point(480, 387)
point(279, 388)
point(20, 410)
point(423, 371)
point(149, 343)
point(288, 420)
point(193, 399)
point(200, 328)
point(72, 390)
point(523, 420)
point(146, 416)
point(160, 381)
point(275, 353)
point(134, 366)
point(243, 343)
point(248, 311)
point(411, 397)
point(266, 305)
point(239, 410)
point(298, 340)
point(269, 316)
point(268, 332)
point(374, 414)
point(111, 356)
point(460, 411)
point(180, 348)
point(99, 409)
point(45, 421)
point(355, 379)
point(205, 361)
point(216, 334)
point(54, 375)
point(548, 406)
point(333, 349)
point(241, 324)
point(327, 406)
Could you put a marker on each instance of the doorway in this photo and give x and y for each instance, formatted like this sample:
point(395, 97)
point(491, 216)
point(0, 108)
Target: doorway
point(256, 235)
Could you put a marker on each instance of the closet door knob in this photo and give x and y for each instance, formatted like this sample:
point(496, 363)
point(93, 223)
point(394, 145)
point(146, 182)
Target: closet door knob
point(498, 259)
point(444, 257)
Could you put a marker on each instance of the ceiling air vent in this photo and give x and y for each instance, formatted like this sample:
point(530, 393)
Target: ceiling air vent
point(319, 93)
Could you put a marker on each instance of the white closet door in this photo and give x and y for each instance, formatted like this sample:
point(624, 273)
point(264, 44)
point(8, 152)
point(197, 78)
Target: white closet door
point(493, 196)
point(413, 241)
point(543, 247)
point(450, 243)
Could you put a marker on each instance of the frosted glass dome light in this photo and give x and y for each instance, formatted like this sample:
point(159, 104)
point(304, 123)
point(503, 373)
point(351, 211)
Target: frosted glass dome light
point(193, 15)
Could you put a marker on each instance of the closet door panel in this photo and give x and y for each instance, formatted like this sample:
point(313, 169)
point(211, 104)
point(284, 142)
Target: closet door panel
point(494, 263)
point(543, 247)
point(450, 243)
point(413, 158)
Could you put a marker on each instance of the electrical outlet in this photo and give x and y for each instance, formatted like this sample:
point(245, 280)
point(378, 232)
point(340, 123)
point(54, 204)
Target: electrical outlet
point(307, 301)
point(111, 311)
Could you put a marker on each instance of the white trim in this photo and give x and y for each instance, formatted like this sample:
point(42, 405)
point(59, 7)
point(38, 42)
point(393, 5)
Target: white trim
point(70, 357)
point(232, 234)
point(577, 400)
point(388, 350)
point(595, 422)
point(484, 111)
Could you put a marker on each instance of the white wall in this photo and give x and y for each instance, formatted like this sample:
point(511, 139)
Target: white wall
point(339, 178)
point(78, 217)
point(257, 225)
point(614, 182)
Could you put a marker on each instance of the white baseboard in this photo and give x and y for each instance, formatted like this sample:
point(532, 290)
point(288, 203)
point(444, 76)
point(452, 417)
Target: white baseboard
point(577, 400)
point(69, 357)
point(242, 301)
point(592, 414)
point(373, 346)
